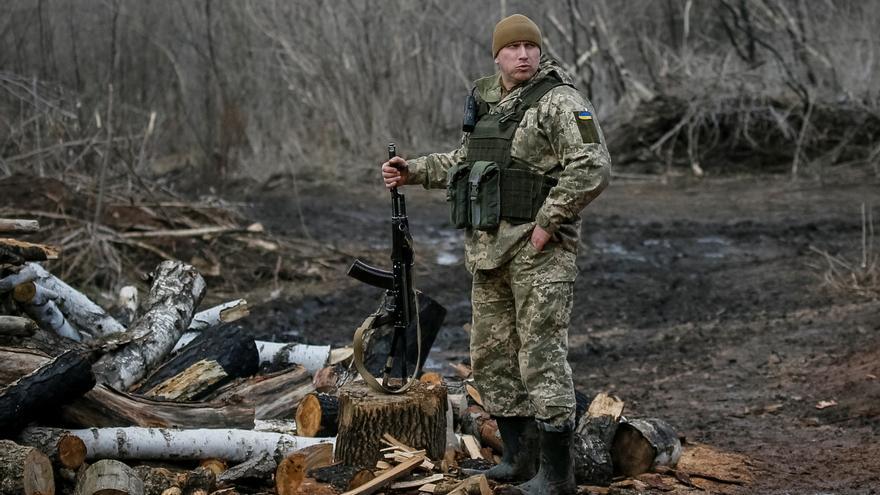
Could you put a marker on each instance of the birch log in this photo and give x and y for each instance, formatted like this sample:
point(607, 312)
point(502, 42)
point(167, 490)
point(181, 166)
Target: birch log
point(24, 471)
point(312, 357)
point(78, 308)
point(177, 290)
point(23, 273)
point(223, 313)
point(58, 381)
point(62, 448)
point(39, 303)
point(18, 225)
point(105, 407)
point(167, 444)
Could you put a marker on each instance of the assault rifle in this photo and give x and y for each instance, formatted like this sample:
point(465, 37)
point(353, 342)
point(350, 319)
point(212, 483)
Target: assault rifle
point(399, 306)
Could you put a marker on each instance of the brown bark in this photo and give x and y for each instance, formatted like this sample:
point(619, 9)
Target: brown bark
point(272, 396)
point(417, 418)
point(24, 470)
point(105, 407)
point(158, 480)
point(17, 326)
point(317, 415)
point(62, 448)
point(16, 362)
point(17, 252)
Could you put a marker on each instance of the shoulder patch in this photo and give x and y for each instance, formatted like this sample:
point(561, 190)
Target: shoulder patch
point(586, 126)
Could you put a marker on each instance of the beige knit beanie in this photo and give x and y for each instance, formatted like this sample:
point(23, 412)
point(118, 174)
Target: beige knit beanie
point(512, 29)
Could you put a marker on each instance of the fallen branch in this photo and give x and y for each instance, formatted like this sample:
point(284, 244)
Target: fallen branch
point(17, 225)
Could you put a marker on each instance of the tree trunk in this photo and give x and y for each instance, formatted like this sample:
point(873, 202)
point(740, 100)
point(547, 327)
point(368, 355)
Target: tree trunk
point(641, 445)
point(177, 290)
point(164, 444)
point(81, 311)
point(592, 442)
point(104, 407)
point(109, 477)
point(317, 415)
point(417, 418)
point(24, 470)
point(16, 362)
point(63, 449)
point(42, 391)
point(227, 350)
point(273, 396)
point(39, 303)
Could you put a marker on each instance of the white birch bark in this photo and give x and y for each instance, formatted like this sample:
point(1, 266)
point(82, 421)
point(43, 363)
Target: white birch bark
point(311, 357)
point(165, 444)
point(40, 305)
point(79, 309)
point(177, 290)
point(24, 275)
point(223, 313)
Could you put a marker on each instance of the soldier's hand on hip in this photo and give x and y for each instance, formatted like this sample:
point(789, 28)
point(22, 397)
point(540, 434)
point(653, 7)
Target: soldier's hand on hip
point(395, 172)
point(539, 238)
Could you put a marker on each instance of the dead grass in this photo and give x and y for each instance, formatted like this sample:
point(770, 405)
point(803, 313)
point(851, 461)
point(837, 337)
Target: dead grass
point(860, 276)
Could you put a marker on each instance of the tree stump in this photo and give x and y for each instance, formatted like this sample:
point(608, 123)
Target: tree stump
point(641, 445)
point(24, 470)
point(416, 418)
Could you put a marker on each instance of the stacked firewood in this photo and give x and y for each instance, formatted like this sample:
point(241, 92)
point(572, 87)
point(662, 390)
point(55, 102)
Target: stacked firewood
point(91, 401)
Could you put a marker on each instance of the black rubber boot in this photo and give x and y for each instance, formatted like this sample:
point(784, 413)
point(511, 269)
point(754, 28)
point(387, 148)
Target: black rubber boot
point(556, 474)
point(518, 461)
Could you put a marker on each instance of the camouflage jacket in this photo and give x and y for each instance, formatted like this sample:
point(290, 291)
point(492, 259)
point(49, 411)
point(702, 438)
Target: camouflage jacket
point(550, 140)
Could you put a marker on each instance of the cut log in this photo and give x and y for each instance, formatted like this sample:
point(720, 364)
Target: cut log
point(63, 449)
point(292, 470)
point(217, 315)
point(216, 466)
point(326, 380)
point(18, 225)
point(377, 345)
point(17, 326)
point(210, 361)
point(24, 470)
point(176, 291)
point(165, 444)
point(81, 311)
point(159, 480)
point(477, 422)
point(593, 438)
point(17, 362)
point(641, 445)
point(259, 467)
point(104, 407)
point(275, 395)
point(312, 357)
point(38, 302)
point(417, 418)
point(317, 415)
point(109, 477)
point(17, 252)
point(19, 275)
point(42, 391)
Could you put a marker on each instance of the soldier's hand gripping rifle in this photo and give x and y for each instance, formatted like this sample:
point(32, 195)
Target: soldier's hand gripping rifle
point(399, 306)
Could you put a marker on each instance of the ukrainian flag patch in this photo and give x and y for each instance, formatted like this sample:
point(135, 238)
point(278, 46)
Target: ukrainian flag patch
point(586, 126)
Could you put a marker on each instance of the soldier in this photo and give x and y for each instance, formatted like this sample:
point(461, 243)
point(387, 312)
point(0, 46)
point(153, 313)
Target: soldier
point(534, 158)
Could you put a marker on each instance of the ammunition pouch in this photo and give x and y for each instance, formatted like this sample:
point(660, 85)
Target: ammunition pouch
point(482, 193)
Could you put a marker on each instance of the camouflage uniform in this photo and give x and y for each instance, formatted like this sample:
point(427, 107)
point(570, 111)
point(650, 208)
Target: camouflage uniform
point(522, 298)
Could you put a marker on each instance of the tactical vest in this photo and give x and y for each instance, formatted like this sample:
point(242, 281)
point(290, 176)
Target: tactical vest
point(491, 185)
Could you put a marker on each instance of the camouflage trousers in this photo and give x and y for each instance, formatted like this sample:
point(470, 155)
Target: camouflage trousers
point(519, 335)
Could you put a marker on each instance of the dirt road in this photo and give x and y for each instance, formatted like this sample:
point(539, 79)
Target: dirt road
point(696, 303)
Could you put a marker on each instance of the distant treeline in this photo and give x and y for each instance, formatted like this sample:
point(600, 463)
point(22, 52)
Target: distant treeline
point(317, 87)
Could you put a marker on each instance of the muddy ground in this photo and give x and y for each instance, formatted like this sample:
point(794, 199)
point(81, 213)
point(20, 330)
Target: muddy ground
point(698, 301)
